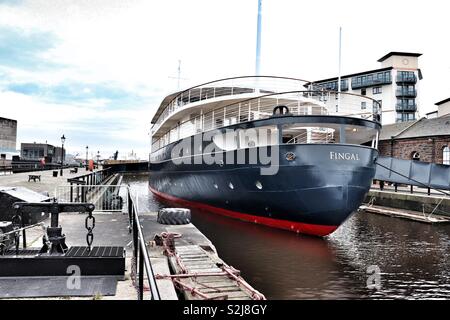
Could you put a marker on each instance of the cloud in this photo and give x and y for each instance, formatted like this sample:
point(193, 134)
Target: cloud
point(24, 49)
point(78, 92)
point(11, 2)
point(98, 69)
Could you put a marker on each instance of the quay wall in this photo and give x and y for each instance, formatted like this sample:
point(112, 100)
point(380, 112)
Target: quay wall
point(127, 166)
point(414, 202)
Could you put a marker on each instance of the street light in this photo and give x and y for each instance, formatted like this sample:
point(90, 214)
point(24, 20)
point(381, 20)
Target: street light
point(87, 166)
point(63, 139)
point(98, 159)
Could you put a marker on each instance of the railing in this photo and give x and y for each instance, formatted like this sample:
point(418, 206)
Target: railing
point(142, 266)
point(406, 93)
point(106, 198)
point(413, 173)
point(409, 78)
point(6, 169)
point(356, 84)
point(80, 186)
point(299, 103)
point(333, 86)
point(30, 166)
point(405, 107)
point(93, 178)
point(229, 87)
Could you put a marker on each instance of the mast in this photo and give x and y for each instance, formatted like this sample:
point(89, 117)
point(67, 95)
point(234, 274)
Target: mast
point(258, 41)
point(179, 74)
point(339, 73)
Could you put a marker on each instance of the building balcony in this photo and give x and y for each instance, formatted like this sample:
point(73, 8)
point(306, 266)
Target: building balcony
point(333, 86)
point(404, 107)
point(371, 83)
point(406, 93)
point(401, 78)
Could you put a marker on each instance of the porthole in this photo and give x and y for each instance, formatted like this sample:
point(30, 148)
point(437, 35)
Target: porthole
point(231, 186)
point(259, 185)
point(216, 186)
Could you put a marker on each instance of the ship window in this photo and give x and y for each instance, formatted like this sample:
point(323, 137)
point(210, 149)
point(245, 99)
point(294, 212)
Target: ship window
point(309, 133)
point(303, 133)
point(259, 185)
point(231, 186)
point(258, 137)
point(216, 186)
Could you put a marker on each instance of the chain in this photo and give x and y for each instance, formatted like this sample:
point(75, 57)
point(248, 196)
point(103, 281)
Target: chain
point(90, 225)
point(16, 221)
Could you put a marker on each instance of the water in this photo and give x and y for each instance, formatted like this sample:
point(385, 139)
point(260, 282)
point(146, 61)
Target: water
point(413, 258)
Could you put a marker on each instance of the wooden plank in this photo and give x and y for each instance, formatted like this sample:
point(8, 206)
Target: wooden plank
point(236, 294)
point(165, 286)
point(197, 260)
point(223, 282)
point(415, 216)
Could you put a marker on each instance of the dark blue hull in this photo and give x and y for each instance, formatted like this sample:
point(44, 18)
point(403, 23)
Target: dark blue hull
point(313, 194)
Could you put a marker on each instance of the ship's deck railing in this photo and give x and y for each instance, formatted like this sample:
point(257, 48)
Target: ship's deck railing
point(299, 103)
point(229, 87)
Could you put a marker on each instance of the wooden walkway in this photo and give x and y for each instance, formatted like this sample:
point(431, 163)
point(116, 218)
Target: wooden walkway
point(203, 275)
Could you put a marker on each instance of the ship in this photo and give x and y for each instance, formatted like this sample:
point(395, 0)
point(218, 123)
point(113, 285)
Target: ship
point(276, 151)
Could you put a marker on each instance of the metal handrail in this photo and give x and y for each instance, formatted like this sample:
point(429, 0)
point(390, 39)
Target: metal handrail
point(140, 253)
point(229, 87)
point(87, 181)
point(208, 121)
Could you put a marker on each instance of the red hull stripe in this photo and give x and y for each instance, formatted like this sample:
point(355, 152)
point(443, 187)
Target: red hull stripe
point(311, 229)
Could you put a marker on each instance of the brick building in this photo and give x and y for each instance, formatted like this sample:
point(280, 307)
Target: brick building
point(8, 139)
point(427, 140)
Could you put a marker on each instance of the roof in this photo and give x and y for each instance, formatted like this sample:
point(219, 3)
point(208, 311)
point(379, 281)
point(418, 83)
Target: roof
point(163, 105)
point(442, 102)
point(1, 118)
point(396, 53)
point(415, 129)
point(392, 130)
point(353, 75)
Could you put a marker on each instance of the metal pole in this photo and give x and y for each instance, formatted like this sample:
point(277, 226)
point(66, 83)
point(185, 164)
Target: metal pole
point(141, 272)
point(62, 160)
point(87, 166)
point(258, 41)
point(339, 75)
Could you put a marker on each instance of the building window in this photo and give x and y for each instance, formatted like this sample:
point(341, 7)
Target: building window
point(446, 155)
point(376, 90)
point(363, 92)
point(377, 106)
point(406, 116)
point(415, 156)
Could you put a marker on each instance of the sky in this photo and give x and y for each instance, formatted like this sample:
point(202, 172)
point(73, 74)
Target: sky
point(96, 70)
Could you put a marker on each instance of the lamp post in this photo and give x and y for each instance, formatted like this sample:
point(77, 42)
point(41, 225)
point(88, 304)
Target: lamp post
point(63, 139)
point(87, 166)
point(98, 159)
